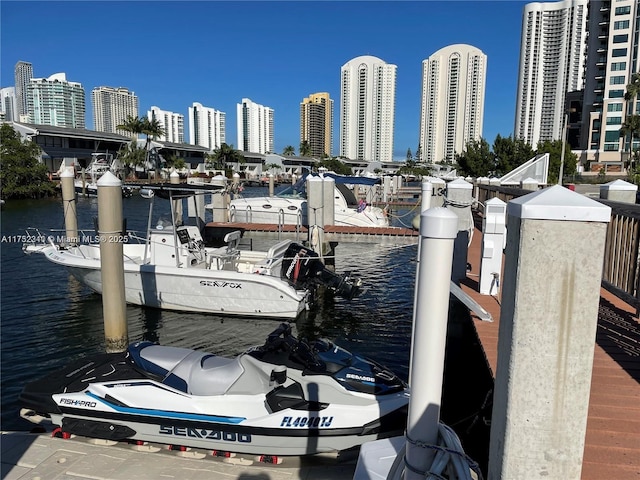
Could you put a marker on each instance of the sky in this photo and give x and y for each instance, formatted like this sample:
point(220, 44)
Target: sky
point(276, 53)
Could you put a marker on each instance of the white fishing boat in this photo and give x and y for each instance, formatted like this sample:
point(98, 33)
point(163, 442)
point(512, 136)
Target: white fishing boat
point(171, 268)
point(289, 207)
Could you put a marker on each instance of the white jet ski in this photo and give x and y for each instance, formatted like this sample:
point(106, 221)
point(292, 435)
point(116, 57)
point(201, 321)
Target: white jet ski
point(287, 397)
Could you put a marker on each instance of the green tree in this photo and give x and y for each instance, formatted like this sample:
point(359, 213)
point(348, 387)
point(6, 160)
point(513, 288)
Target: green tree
point(477, 160)
point(150, 128)
point(631, 129)
point(510, 154)
point(131, 125)
point(288, 151)
point(419, 154)
point(628, 129)
point(132, 156)
point(554, 149)
point(22, 175)
point(305, 148)
point(225, 155)
point(409, 155)
point(272, 166)
point(335, 165)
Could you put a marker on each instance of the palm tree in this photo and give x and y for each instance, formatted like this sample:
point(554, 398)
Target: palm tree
point(226, 154)
point(288, 151)
point(150, 128)
point(131, 125)
point(631, 129)
point(305, 148)
point(630, 97)
point(132, 156)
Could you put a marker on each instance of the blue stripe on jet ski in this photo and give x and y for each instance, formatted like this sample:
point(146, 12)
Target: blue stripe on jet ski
point(168, 414)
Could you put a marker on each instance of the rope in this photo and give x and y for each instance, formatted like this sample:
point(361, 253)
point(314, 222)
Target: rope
point(449, 462)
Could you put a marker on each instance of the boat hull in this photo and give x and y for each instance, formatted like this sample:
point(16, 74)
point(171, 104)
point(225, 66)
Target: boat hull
point(193, 289)
point(283, 211)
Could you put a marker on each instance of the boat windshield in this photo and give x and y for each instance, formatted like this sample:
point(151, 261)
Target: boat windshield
point(297, 190)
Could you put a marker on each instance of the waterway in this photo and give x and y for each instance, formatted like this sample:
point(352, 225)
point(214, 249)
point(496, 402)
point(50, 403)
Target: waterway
point(49, 319)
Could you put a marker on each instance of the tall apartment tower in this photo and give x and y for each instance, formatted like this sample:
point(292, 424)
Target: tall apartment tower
point(316, 123)
point(56, 101)
point(255, 127)
point(552, 64)
point(111, 107)
point(613, 57)
point(23, 75)
point(207, 127)
point(172, 123)
point(9, 104)
point(367, 109)
point(452, 106)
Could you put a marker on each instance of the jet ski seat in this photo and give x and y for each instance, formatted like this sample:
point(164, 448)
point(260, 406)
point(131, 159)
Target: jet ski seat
point(193, 372)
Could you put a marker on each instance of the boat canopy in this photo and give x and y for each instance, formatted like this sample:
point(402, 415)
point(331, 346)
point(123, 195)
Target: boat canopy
point(353, 180)
point(176, 191)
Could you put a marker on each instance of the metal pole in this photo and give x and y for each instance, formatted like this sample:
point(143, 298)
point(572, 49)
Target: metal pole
point(564, 146)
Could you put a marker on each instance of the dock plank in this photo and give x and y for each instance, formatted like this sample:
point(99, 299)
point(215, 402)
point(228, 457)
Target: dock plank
point(612, 441)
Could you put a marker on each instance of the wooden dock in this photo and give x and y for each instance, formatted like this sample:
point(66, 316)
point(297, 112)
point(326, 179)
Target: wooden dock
point(331, 232)
point(612, 444)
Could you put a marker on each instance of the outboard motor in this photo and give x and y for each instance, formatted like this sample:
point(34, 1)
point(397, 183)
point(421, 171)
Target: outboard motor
point(302, 267)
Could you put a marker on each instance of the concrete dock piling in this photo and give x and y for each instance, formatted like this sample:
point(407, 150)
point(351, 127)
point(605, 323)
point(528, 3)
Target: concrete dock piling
point(111, 237)
point(67, 182)
point(552, 274)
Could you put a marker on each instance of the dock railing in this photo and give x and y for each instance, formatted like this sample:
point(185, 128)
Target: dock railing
point(621, 269)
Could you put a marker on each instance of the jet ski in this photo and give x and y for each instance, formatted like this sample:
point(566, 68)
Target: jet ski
point(287, 397)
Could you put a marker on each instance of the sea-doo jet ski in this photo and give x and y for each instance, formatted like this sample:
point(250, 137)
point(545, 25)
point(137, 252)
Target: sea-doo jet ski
point(286, 397)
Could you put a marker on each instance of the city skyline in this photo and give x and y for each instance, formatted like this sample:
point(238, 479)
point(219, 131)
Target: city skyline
point(261, 52)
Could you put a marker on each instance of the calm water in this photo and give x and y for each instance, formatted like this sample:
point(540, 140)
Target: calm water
point(49, 319)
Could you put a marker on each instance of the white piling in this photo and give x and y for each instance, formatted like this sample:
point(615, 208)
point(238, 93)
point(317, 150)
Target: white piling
point(272, 185)
point(315, 213)
point(67, 180)
point(174, 179)
point(438, 230)
point(619, 191)
point(111, 239)
point(195, 205)
point(328, 194)
point(548, 321)
point(220, 200)
point(459, 200)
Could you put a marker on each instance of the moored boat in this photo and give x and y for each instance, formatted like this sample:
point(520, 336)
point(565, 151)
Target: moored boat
point(289, 207)
point(172, 269)
point(286, 397)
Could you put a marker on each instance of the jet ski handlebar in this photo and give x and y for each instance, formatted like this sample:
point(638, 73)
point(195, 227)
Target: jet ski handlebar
point(282, 347)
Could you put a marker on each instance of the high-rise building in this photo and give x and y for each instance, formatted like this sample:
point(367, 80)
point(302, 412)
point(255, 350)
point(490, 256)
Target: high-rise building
point(367, 109)
point(613, 57)
point(23, 74)
point(207, 126)
point(452, 106)
point(9, 104)
point(111, 107)
point(172, 123)
point(552, 63)
point(316, 123)
point(255, 127)
point(55, 101)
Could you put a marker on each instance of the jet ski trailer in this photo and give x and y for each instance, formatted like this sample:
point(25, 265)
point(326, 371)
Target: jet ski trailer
point(286, 397)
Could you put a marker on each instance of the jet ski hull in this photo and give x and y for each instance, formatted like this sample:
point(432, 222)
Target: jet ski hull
point(108, 396)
